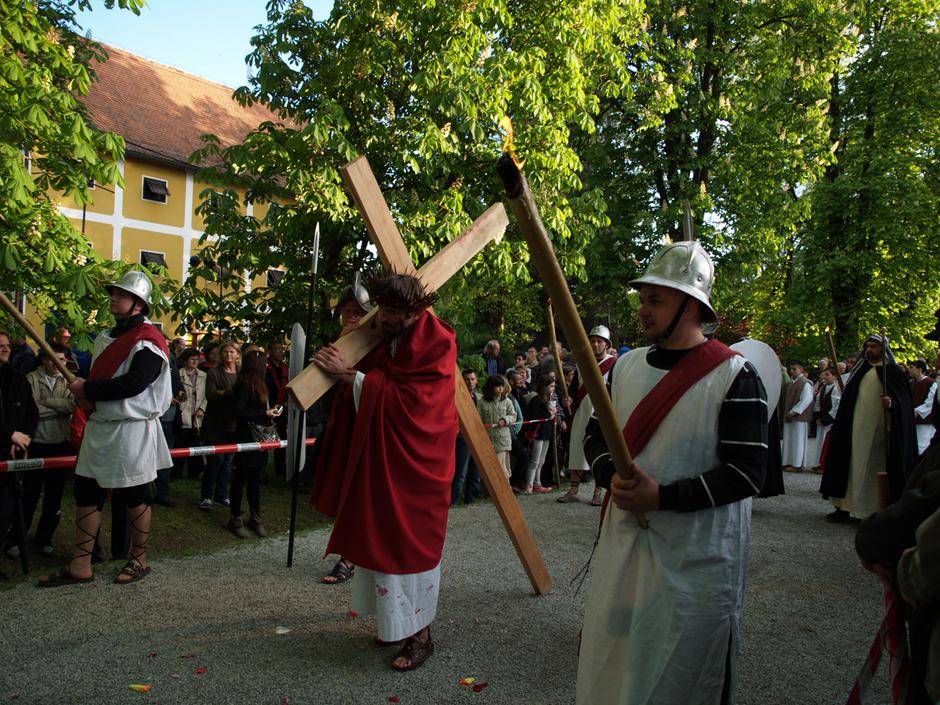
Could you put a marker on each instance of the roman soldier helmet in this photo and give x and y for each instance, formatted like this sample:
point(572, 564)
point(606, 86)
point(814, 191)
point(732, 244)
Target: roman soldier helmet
point(137, 284)
point(600, 332)
point(684, 266)
point(354, 292)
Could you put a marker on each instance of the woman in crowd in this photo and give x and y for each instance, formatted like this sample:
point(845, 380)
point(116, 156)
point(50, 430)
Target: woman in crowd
point(218, 425)
point(540, 434)
point(212, 353)
point(498, 413)
point(192, 409)
point(252, 409)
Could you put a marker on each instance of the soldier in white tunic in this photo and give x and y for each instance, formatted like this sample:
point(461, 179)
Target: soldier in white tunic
point(126, 392)
point(662, 620)
point(581, 409)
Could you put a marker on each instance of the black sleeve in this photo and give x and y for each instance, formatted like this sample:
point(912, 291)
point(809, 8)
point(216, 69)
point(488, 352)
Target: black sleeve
point(145, 368)
point(742, 452)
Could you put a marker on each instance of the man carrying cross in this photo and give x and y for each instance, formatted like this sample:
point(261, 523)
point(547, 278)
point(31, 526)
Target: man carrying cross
point(662, 621)
point(386, 466)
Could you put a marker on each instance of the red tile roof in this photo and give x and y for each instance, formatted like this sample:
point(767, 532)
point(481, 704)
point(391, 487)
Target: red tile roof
point(161, 112)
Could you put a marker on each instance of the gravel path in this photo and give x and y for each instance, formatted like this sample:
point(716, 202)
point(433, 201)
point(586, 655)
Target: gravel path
point(810, 615)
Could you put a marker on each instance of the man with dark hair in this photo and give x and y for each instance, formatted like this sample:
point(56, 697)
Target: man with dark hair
point(663, 618)
point(386, 467)
point(466, 483)
point(873, 433)
point(18, 420)
point(127, 390)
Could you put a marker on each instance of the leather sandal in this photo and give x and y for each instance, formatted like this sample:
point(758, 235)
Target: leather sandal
point(133, 571)
point(415, 652)
point(341, 572)
point(63, 577)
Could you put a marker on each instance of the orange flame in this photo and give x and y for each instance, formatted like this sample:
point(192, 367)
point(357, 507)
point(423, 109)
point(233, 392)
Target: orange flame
point(508, 145)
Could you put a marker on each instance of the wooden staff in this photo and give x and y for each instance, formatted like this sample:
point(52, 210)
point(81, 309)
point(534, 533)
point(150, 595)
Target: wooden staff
point(531, 226)
point(38, 339)
point(883, 484)
point(835, 365)
point(556, 354)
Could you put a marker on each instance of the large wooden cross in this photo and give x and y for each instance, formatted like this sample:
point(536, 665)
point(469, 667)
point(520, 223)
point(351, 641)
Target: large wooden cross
point(312, 383)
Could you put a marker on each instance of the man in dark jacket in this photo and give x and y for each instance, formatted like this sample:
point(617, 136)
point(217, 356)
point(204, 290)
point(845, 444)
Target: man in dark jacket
point(19, 418)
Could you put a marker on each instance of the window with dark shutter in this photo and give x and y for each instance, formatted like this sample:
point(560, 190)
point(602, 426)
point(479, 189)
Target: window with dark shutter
point(155, 190)
point(275, 276)
point(147, 257)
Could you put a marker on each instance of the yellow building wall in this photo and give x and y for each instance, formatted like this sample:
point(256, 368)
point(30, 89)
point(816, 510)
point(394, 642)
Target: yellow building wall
point(170, 213)
point(102, 200)
point(100, 235)
point(134, 240)
point(198, 188)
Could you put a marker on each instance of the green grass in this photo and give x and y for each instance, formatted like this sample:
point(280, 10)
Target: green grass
point(183, 530)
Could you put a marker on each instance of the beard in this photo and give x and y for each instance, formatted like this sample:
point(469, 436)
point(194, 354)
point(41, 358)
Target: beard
point(391, 330)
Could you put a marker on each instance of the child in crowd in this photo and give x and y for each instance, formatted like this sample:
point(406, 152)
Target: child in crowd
point(498, 413)
point(540, 407)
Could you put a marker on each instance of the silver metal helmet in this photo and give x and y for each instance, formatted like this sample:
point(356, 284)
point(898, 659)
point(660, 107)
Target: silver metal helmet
point(136, 283)
point(601, 332)
point(687, 267)
point(355, 292)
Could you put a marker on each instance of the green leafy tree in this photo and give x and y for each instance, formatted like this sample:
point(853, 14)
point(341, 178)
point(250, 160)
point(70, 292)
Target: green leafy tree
point(420, 88)
point(48, 147)
point(864, 262)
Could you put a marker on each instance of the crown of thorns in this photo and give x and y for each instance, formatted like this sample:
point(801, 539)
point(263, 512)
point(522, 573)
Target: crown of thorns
point(396, 290)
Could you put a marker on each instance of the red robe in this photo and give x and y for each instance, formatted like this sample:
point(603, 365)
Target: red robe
point(385, 471)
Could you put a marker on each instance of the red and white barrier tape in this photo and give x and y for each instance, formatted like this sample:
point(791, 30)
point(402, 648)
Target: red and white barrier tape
point(891, 639)
point(68, 461)
point(491, 425)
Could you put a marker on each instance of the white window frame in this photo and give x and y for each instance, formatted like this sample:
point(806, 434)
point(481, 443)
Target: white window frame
point(143, 181)
point(140, 257)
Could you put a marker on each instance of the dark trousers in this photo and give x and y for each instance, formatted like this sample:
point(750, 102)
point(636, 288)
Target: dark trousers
point(466, 482)
point(50, 484)
point(162, 483)
point(215, 477)
point(519, 455)
point(247, 481)
point(280, 456)
point(187, 438)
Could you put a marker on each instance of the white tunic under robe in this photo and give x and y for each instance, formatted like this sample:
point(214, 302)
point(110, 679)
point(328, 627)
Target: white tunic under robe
point(869, 448)
point(403, 604)
point(795, 432)
point(124, 445)
point(664, 610)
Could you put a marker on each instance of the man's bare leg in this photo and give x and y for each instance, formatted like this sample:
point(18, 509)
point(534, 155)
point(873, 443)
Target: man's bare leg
point(87, 523)
point(139, 518)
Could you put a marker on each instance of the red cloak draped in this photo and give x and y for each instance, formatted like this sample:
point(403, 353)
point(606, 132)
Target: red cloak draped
point(385, 472)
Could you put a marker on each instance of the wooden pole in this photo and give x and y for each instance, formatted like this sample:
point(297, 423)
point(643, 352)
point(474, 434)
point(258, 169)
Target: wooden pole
point(832, 351)
point(556, 353)
point(530, 223)
point(38, 339)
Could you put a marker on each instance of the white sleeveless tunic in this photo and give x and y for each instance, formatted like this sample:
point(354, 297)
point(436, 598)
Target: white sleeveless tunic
point(124, 444)
point(576, 459)
point(665, 603)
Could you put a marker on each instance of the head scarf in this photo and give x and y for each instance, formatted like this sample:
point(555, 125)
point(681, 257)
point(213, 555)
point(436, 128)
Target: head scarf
point(882, 340)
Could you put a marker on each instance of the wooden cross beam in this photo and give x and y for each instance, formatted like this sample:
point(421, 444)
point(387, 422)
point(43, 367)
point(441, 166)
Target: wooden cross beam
point(310, 385)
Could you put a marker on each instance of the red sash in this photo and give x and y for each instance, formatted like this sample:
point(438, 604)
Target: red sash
point(605, 367)
point(656, 405)
point(106, 364)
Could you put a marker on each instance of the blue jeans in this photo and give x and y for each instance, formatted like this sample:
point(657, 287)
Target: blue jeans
point(216, 476)
point(466, 475)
